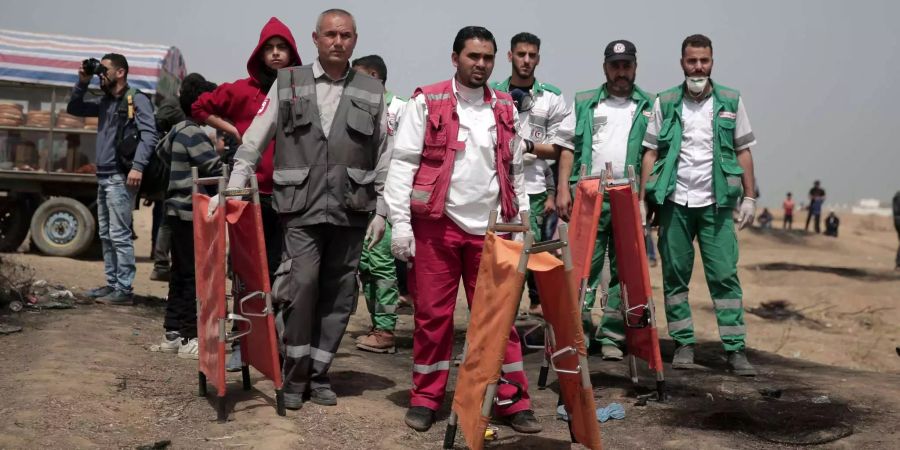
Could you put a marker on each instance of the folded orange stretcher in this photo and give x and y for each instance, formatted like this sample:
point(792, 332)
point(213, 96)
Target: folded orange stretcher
point(498, 290)
point(252, 308)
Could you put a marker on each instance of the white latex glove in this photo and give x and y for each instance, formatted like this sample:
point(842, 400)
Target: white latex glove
point(375, 231)
point(403, 247)
point(747, 212)
point(237, 180)
point(642, 205)
point(529, 158)
point(213, 204)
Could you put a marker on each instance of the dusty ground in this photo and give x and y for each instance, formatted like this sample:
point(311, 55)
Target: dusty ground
point(83, 378)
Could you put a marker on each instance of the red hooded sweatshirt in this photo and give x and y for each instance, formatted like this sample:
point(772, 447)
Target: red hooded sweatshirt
point(239, 102)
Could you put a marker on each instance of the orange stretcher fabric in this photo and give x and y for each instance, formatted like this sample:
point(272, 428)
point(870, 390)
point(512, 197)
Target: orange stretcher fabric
point(559, 299)
point(209, 267)
point(248, 263)
point(583, 226)
point(497, 295)
point(634, 272)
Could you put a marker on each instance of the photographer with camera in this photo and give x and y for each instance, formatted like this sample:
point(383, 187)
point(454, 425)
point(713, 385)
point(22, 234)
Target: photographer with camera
point(126, 137)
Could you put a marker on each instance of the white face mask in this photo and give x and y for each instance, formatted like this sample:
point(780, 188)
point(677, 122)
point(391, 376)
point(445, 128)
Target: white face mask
point(696, 85)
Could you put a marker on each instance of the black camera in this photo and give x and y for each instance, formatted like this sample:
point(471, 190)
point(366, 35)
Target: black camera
point(93, 67)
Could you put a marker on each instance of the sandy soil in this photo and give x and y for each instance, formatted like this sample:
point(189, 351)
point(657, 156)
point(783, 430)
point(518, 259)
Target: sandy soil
point(83, 378)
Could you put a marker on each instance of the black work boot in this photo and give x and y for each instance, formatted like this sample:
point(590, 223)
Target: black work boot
point(524, 422)
point(737, 362)
point(684, 357)
point(323, 395)
point(419, 418)
point(293, 401)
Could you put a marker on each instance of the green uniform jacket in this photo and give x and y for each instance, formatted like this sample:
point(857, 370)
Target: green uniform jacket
point(585, 103)
point(727, 182)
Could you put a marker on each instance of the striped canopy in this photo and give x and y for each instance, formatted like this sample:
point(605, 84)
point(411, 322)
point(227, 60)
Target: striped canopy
point(52, 59)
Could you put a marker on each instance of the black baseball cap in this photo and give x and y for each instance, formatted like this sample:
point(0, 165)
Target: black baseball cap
point(620, 50)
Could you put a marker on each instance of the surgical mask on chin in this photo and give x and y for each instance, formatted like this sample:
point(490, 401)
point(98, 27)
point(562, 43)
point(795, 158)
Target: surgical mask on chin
point(696, 85)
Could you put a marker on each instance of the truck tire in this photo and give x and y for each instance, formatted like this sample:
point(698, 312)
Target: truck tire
point(62, 226)
point(15, 215)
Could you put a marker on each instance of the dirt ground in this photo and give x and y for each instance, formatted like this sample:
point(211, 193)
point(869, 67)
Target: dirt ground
point(830, 371)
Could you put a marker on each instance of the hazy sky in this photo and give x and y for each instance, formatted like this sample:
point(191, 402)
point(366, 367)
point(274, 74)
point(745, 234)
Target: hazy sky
point(818, 77)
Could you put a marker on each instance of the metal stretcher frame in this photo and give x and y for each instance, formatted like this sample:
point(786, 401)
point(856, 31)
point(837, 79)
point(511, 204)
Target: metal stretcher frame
point(256, 328)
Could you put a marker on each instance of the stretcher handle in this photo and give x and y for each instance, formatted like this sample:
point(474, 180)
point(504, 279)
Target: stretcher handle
point(209, 181)
point(238, 192)
point(252, 295)
point(520, 227)
point(232, 336)
point(515, 397)
point(567, 351)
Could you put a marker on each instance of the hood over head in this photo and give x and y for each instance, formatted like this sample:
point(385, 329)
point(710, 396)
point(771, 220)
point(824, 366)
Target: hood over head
point(273, 27)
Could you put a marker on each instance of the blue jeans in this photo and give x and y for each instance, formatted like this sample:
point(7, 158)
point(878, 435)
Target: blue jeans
point(114, 205)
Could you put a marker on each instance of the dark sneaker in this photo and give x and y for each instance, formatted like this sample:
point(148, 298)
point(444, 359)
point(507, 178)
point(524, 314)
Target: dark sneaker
point(611, 353)
point(737, 362)
point(99, 292)
point(116, 298)
point(234, 363)
point(524, 422)
point(293, 401)
point(684, 357)
point(419, 418)
point(323, 396)
point(159, 275)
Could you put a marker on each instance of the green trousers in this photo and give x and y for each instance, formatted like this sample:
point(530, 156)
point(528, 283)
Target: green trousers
point(714, 229)
point(536, 219)
point(612, 329)
point(379, 283)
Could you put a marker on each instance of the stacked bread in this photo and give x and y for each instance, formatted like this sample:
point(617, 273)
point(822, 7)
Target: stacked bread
point(66, 120)
point(37, 119)
point(11, 115)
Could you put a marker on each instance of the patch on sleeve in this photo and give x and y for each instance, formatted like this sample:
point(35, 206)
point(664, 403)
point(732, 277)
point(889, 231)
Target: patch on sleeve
point(263, 107)
point(727, 115)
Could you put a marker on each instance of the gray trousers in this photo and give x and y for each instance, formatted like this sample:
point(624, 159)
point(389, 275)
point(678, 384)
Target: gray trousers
point(316, 283)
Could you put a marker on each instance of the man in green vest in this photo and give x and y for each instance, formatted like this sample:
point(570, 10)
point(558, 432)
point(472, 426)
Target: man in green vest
point(377, 270)
point(541, 108)
point(697, 164)
point(608, 126)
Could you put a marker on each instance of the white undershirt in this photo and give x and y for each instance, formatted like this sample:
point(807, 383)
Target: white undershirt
point(612, 125)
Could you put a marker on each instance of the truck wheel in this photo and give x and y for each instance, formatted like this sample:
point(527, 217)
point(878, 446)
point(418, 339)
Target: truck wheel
point(15, 214)
point(62, 226)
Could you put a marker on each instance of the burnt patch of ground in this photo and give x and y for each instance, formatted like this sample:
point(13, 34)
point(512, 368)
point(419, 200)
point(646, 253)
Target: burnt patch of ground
point(847, 272)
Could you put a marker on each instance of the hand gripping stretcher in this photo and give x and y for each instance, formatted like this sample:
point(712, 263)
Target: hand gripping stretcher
point(252, 308)
point(501, 277)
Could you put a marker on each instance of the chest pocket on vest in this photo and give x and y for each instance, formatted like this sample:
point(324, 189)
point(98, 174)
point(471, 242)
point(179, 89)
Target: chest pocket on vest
point(294, 113)
point(725, 132)
point(435, 144)
point(538, 124)
point(361, 117)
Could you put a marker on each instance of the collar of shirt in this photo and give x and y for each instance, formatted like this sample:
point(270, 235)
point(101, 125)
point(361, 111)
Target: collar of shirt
point(319, 71)
point(471, 95)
